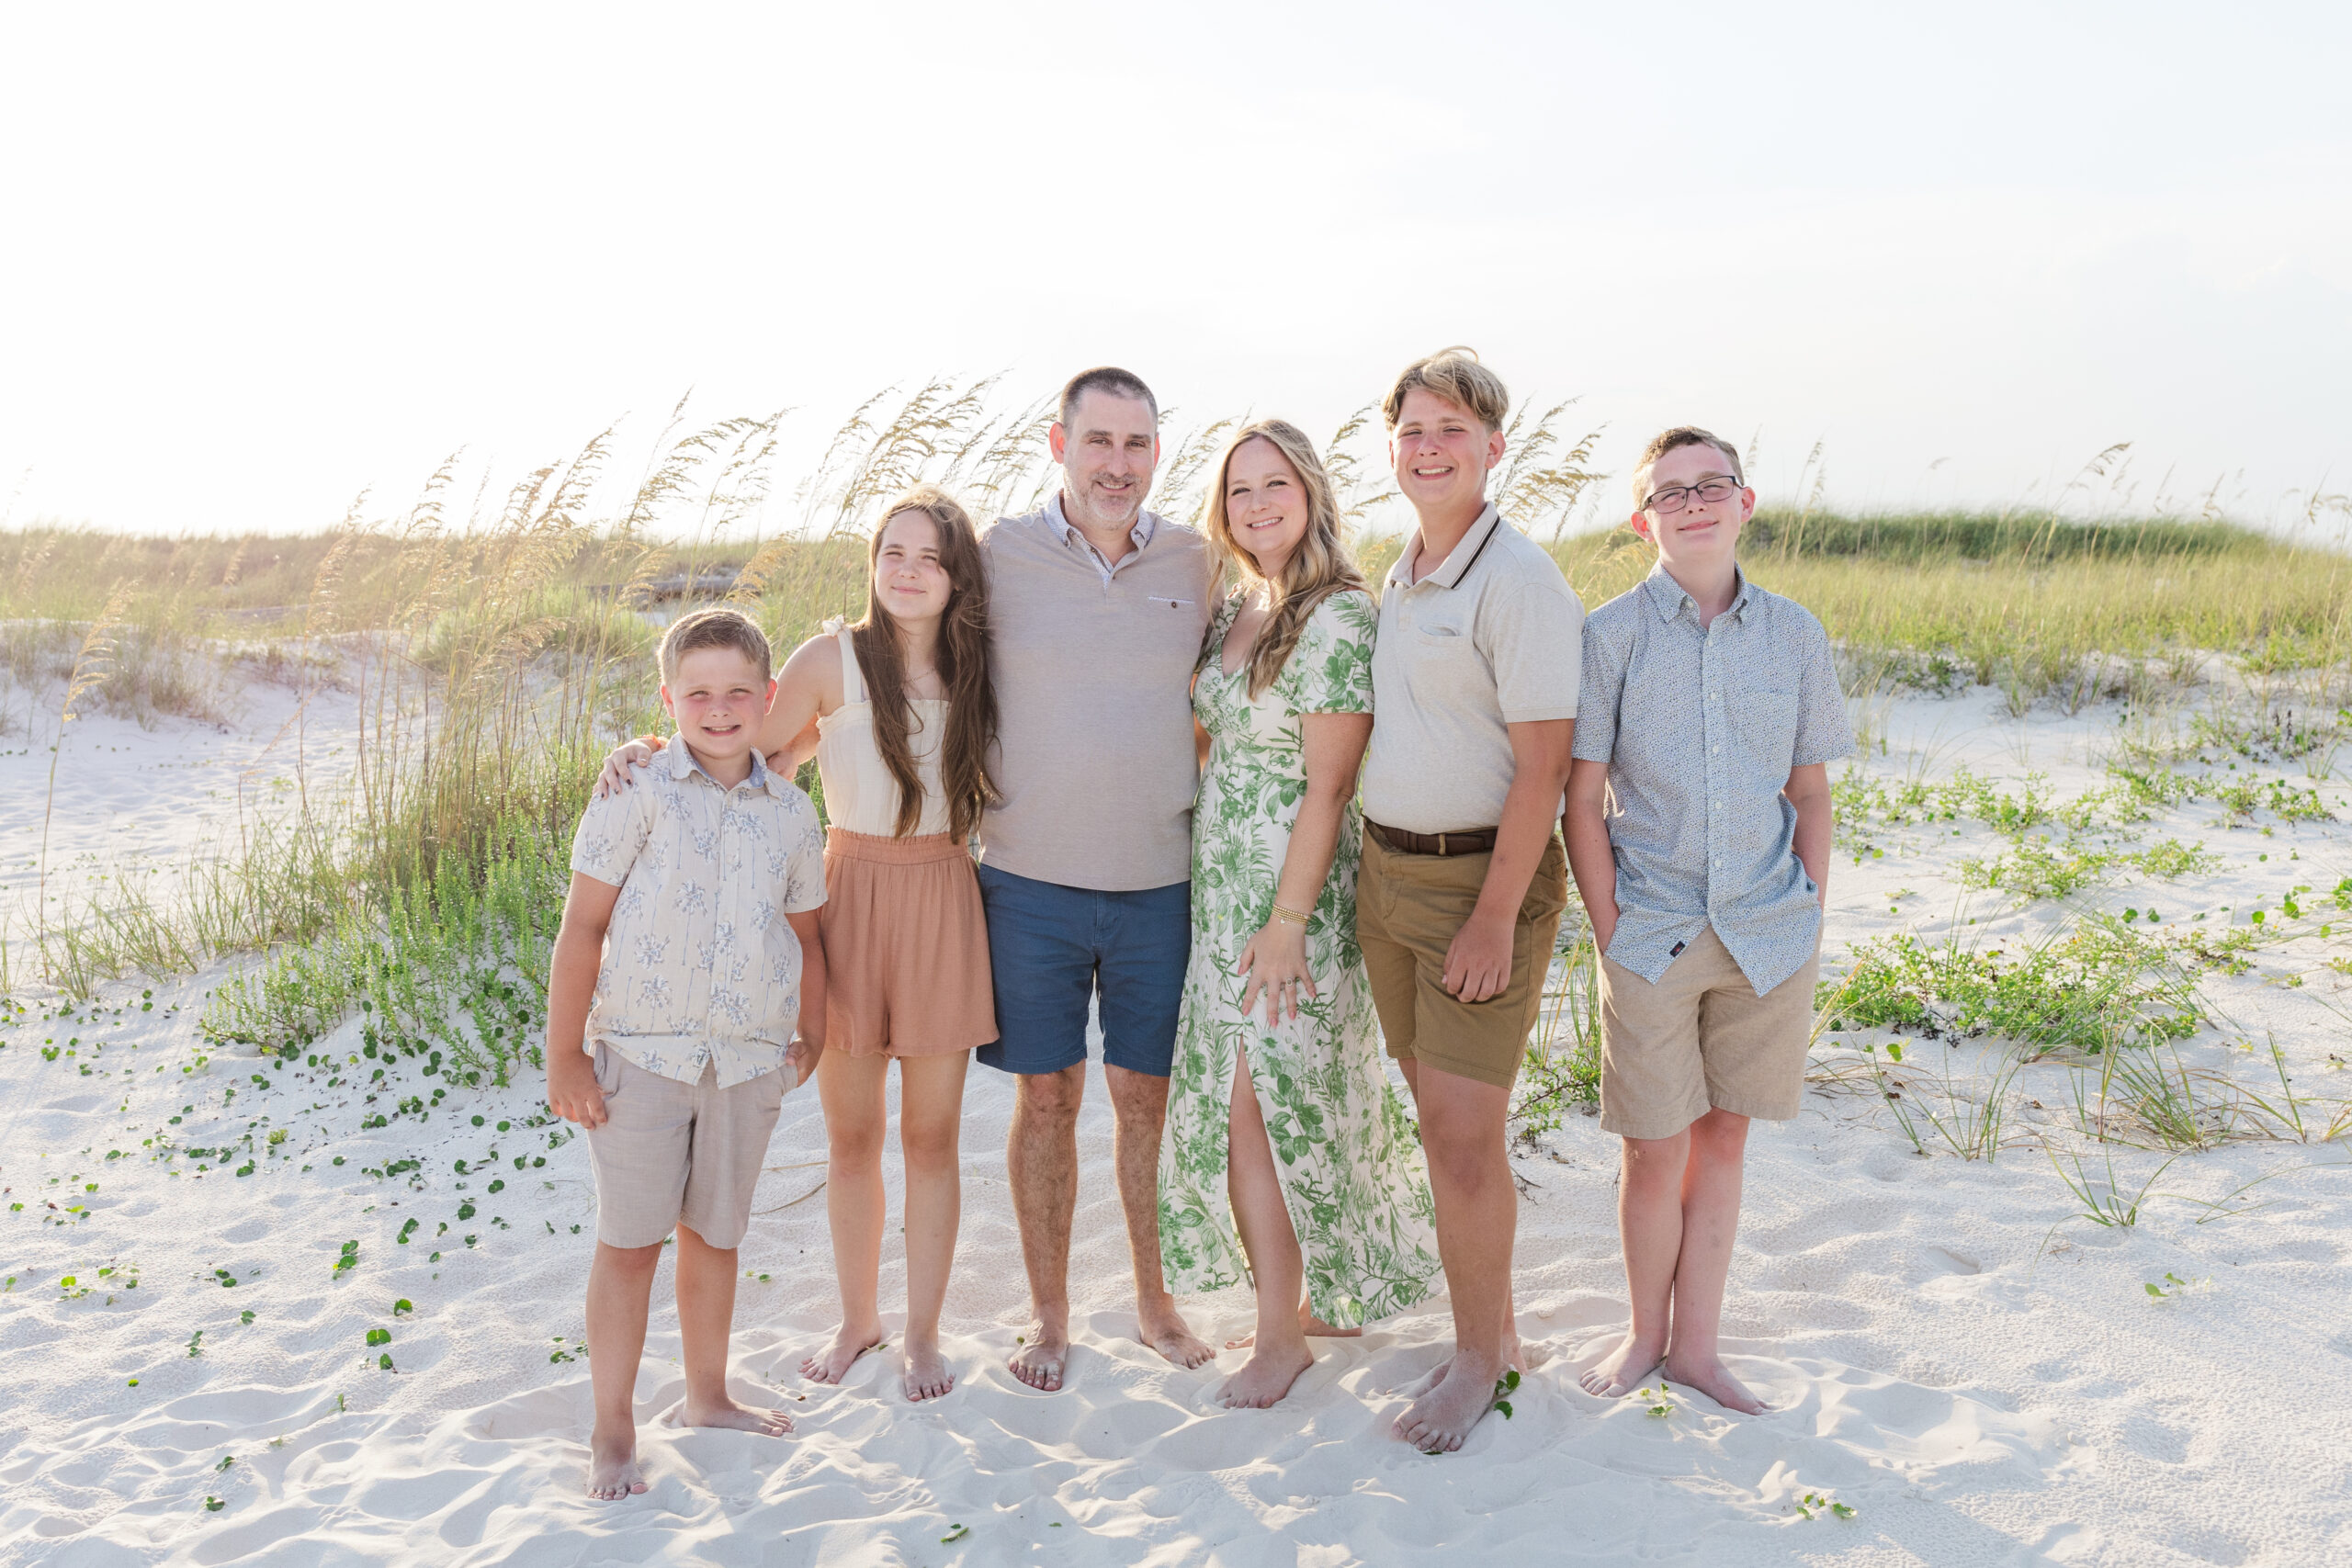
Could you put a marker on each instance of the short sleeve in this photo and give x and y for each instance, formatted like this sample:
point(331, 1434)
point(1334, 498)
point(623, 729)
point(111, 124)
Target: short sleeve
point(1331, 666)
point(1533, 635)
point(1598, 693)
point(1822, 733)
point(804, 860)
point(612, 832)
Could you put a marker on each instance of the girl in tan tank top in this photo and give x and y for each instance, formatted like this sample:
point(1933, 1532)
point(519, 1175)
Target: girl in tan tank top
point(902, 714)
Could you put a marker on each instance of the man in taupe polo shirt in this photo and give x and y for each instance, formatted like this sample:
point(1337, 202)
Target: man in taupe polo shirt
point(1096, 613)
point(1475, 680)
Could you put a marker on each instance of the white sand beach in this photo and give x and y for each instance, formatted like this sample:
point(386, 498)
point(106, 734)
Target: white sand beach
point(1953, 1351)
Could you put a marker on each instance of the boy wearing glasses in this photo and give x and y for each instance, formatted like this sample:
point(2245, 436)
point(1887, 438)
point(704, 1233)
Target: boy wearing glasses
point(1697, 827)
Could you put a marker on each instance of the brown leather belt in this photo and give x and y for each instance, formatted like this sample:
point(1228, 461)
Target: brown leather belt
point(1469, 841)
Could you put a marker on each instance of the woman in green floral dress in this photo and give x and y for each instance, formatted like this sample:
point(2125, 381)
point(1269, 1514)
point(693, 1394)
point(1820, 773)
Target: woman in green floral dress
point(1288, 1159)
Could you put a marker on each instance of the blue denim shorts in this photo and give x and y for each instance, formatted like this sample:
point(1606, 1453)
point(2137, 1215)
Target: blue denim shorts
point(1051, 948)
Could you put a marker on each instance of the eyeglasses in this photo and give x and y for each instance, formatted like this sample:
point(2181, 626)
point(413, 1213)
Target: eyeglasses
point(1674, 498)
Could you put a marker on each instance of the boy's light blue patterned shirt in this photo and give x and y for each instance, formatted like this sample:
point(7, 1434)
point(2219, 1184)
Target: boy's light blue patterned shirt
point(699, 963)
point(1701, 727)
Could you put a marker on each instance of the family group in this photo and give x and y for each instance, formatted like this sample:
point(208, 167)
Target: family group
point(1203, 786)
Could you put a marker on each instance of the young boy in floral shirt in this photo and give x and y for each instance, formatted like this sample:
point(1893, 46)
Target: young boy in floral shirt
point(689, 950)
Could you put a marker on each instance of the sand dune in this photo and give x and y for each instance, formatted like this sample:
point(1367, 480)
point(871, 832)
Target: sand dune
point(1978, 1389)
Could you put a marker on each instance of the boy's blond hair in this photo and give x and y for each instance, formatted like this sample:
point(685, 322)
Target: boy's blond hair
point(1666, 440)
point(721, 626)
point(1455, 375)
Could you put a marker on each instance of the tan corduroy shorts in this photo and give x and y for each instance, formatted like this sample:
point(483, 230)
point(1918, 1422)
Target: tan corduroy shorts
point(1701, 1039)
point(672, 1153)
point(1408, 909)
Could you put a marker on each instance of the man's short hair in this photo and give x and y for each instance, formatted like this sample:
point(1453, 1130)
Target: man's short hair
point(1666, 441)
point(1104, 378)
point(1455, 375)
point(721, 626)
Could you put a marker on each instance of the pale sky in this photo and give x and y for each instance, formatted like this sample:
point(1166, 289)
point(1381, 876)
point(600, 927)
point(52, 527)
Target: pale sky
point(254, 259)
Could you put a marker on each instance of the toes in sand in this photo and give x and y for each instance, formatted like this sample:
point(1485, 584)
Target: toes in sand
point(736, 1418)
point(1171, 1339)
point(832, 1363)
point(1622, 1370)
point(1039, 1359)
point(1712, 1378)
point(923, 1372)
point(612, 1471)
point(1439, 1420)
point(1263, 1380)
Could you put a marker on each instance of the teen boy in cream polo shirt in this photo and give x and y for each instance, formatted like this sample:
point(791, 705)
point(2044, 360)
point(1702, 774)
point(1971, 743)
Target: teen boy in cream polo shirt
point(1475, 680)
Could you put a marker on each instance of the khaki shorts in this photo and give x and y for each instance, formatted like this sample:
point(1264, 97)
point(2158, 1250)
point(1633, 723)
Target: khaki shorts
point(672, 1153)
point(1700, 1038)
point(1408, 909)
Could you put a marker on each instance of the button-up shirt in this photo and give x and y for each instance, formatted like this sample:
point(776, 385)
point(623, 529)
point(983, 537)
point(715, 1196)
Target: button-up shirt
point(1076, 538)
point(1701, 727)
point(700, 966)
point(1488, 638)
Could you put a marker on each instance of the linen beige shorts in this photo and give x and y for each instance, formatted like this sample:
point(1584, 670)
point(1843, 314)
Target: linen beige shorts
point(1408, 909)
point(1701, 1039)
point(672, 1153)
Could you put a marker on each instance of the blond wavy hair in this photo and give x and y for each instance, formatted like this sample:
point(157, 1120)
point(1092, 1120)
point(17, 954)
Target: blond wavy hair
point(1455, 375)
point(1318, 568)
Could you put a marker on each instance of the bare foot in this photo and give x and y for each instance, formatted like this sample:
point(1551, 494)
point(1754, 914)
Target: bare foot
point(1307, 1323)
point(1441, 1419)
point(923, 1372)
point(613, 1473)
point(1515, 1356)
point(1165, 1333)
point(735, 1417)
point(1264, 1378)
point(1712, 1378)
point(1038, 1362)
point(832, 1363)
point(1623, 1369)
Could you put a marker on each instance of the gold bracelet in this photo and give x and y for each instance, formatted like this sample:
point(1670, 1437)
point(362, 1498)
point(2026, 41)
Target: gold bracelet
point(1289, 916)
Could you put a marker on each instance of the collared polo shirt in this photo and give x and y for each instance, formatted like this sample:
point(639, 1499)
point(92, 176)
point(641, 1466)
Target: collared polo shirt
point(1094, 766)
point(1488, 639)
point(700, 964)
point(1075, 538)
point(1701, 727)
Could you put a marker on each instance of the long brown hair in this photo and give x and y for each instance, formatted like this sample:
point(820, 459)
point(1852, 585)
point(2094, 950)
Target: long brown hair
point(963, 657)
point(1317, 568)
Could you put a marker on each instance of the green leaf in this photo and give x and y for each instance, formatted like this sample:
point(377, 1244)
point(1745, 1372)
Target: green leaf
point(954, 1532)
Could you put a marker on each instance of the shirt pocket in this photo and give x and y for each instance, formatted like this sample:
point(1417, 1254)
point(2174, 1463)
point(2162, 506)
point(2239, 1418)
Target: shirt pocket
point(1764, 723)
point(1444, 637)
point(1161, 601)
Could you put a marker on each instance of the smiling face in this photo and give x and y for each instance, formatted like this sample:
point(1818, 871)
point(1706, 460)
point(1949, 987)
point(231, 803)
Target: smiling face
point(1107, 452)
point(1265, 504)
point(910, 583)
point(1442, 453)
point(718, 698)
point(1702, 534)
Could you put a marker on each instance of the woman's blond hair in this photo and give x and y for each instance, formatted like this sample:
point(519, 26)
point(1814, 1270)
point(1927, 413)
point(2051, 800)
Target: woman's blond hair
point(1317, 568)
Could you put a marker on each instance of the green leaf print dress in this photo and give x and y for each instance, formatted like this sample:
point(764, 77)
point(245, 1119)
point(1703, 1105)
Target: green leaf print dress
point(1352, 1170)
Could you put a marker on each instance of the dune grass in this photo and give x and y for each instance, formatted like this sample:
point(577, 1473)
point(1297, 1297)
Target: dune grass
point(498, 647)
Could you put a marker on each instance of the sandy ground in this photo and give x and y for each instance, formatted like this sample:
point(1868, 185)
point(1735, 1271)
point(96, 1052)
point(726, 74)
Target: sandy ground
point(1953, 1352)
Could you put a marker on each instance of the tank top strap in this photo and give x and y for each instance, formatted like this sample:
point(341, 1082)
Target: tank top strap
point(853, 675)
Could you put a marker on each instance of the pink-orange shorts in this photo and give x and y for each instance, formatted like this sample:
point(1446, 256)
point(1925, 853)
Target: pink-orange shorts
point(905, 947)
